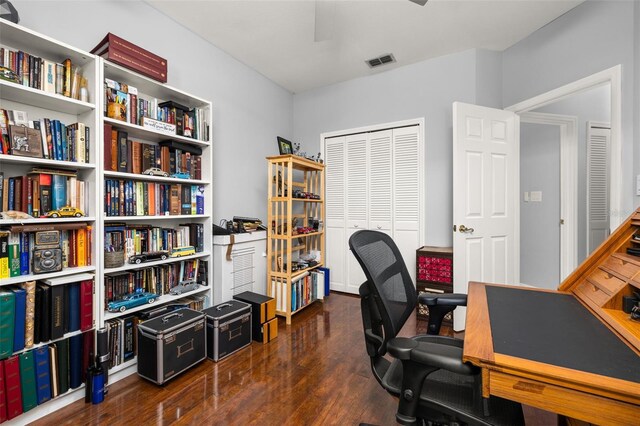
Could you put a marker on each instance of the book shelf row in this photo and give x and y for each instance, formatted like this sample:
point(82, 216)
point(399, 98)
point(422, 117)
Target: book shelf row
point(135, 198)
point(36, 376)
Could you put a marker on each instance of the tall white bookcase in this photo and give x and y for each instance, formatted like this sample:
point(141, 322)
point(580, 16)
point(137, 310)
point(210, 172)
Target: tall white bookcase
point(38, 104)
point(161, 92)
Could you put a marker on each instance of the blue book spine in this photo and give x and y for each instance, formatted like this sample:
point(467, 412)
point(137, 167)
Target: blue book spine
point(20, 318)
point(200, 200)
point(59, 151)
point(75, 361)
point(63, 142)
point(54, 138)
point(24, 253)
point(59, 189)
point(74, 307)
point(43, 378)
point(12, 190)
point(327, 281)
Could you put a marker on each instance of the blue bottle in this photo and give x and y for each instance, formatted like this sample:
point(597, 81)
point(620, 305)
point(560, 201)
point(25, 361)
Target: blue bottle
point(97, 386)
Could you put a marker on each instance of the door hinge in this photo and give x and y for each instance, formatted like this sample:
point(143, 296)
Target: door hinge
point(454, 228)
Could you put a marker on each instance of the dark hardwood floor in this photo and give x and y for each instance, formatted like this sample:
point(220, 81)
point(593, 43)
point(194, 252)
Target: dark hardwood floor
point(315, 372)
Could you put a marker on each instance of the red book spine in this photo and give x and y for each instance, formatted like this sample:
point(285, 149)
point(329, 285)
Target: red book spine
point(3, 397)
point(87, 351)
point(13, 387)
point(107, 146)
point(86, 305)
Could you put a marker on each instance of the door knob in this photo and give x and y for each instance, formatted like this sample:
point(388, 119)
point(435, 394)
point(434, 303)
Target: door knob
point(464, 229)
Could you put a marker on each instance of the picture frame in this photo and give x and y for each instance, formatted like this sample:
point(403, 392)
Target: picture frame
point(25, 141)
point(284, 146)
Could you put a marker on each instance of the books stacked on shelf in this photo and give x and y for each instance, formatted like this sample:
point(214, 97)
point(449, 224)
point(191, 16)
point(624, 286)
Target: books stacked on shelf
point(160, 279)
point(131, 198)
point(121, 337)
point(34, 377)
point(38, 73)
point(20, 254)
point(123, 102)
point(140, 239)
point(44, 192)
point(306, 288)
point(164, 159)
point(44, 138)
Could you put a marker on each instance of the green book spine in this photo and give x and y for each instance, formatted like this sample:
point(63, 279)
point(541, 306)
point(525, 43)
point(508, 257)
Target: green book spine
point(7, 314)
point(63, 366)
point(28, 381)
point(14, 260)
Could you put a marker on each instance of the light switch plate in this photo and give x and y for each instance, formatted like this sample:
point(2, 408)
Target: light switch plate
point(536, 196)
point(526, 196)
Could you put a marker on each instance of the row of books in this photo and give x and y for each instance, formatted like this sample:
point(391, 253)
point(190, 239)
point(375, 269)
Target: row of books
point(138, 239)
point(158, 279)
point(36, 312)
point(18, 249)
point(123, 102)
point(42, 191)
point(36, 376)
point(125, 155)
point(38, 73)
point(44, 138)
point(132, 198)
point(307, 287)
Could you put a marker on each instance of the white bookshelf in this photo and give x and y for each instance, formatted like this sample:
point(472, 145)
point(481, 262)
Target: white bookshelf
point(40, 104)
point(148, 88)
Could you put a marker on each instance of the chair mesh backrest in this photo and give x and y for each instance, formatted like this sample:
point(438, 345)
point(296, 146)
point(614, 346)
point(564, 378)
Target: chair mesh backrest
point(384, 267)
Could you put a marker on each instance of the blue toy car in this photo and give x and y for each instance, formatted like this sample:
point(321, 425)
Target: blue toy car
point(131, 301)
point(181, 175)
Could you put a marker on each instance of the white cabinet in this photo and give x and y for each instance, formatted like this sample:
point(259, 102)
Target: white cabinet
point(240, 265)
point(374, 180)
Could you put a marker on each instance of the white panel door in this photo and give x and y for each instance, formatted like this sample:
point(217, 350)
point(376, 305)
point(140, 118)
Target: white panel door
point(407, 191)
point(357, 179)
point(335, 211)
point(485, 198)
point(380, 180)
point(598, 141)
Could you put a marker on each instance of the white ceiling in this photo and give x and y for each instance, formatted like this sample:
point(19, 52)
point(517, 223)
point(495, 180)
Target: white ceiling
point(276, 38)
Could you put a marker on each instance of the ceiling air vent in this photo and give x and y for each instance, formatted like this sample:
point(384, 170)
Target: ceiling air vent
point(381, 60)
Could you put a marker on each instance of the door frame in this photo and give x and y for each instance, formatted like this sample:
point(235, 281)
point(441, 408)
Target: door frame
point(612, 76)
point(568, 184)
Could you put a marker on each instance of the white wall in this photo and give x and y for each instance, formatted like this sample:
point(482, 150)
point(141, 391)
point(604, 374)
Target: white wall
point(592, 105)
point(248, 109)
point(539, 221)
point(594, 36)
point(426, 89)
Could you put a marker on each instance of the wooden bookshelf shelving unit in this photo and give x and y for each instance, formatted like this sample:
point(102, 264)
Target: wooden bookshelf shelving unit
point(288, 174)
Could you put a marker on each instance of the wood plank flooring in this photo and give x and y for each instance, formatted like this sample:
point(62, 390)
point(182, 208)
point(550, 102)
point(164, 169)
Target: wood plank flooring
point(316, 372)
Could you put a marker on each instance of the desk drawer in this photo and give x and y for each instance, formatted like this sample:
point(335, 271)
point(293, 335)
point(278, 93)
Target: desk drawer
point(574, 403)
point(621, 266)
point(607, 282)
point(592, 292)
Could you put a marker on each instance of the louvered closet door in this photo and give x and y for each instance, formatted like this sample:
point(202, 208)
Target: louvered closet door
point(407, 190)
point(598, 141)
point(357, 178)
point(380, 181)
point(335, 211)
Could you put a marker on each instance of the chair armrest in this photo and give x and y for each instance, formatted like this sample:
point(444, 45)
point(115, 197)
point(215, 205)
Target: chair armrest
point(449, 299)
point(433, 354)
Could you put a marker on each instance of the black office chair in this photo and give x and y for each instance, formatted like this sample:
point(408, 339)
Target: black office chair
point(427, 374)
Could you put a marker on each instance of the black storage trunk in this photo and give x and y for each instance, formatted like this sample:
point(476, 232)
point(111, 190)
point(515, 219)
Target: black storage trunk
point(228, 328)
point(170, 344)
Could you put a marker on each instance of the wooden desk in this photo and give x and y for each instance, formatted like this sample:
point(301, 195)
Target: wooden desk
point(570, 392)
point(594, 375)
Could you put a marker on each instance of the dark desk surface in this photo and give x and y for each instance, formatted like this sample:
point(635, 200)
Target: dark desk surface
point(557, 329)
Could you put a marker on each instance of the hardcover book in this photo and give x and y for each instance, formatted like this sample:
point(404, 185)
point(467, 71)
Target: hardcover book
point(30, 312)
point(13, 386)
point(58, 308)
point(43, 379)
point(75, 361)
point(20, 317)
point(28, 381)
point(86, 305)
point(7, 316)
point(53, 362)
point(3, 396)
point(62, 349)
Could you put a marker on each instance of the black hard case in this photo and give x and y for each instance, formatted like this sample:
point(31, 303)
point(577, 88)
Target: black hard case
point(228, 328)
point(170, 344)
